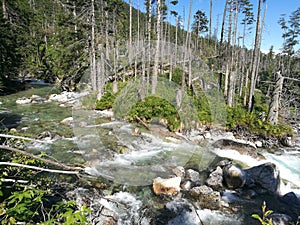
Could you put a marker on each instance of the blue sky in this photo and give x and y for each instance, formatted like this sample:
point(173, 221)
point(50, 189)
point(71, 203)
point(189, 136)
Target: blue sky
point(272, 33)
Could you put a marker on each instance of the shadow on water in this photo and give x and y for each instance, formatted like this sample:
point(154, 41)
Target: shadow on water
point(9, 119)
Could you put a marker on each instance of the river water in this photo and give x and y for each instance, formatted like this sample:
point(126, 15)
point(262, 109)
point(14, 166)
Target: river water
point(109, 149)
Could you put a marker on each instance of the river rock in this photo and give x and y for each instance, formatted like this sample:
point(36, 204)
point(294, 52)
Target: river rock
point(263, 178)
point(101, 211)
point(169, 186)
point(291, 203)
point(67, 121)
point(280, 219)
point(287, 141)
point(258, 144)
point(192, 175)
point(215, 179)
point(179, 171)
point(23, 100)
point(186, 185)
point(37, 99)
point(234, 176)
point(207, 197)
point(241, 146)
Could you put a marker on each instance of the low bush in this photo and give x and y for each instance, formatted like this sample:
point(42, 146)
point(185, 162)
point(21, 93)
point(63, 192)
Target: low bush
point(154, 107)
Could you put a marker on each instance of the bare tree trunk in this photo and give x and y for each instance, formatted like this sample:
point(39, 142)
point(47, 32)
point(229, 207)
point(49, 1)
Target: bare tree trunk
point(130, 32)
point(255, 57)
point(188, 41)
point(229, 53)
point(149, 40)
point(143, 75)
point(232, 77)
point(157, 48)
point(210, 18)
point(223, 24)
point(275, 101)
point(93, 50)
point(4, 10)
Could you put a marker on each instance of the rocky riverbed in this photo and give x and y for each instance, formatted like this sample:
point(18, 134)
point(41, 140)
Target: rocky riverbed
point(158, 177)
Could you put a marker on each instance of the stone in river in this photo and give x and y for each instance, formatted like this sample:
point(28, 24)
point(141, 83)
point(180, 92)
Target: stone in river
point(169, 186)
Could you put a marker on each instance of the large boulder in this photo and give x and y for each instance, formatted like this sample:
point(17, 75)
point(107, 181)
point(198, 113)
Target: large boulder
point(169, 186)
point(234, 177)
point(263, 178)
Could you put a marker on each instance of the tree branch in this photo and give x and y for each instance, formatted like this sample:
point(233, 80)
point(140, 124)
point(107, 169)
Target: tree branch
point(23, 138)
point(38, 168)
point(57, 164)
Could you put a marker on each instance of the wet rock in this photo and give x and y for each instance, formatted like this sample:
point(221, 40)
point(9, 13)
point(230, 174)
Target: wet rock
point(258, 144)
point(186, 185)
point(234, 177)
point(170, 186)
point(215, 179)
point(192, 175)
point(67, 121)
point(241, 146)
point(22, 101)
point(263, 178)
point(207, 197)
point(280, 219)
point(101, 210)
point(291, 203)
point(207, 135)
point(179, 171)
point(287, 141)
point(37, 99)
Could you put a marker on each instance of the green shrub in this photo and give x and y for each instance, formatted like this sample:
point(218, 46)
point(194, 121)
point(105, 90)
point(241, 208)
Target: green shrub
point(239, 116)
point(106, 102)
point(154, 107)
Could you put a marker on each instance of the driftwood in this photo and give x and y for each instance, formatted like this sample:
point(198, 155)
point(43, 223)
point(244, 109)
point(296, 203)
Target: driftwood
point(38, 168)
point(23, 138)
point(139, 120)
point(57, 164)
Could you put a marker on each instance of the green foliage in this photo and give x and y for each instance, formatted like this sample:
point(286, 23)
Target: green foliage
point(27, 205)
point(264, 220)
point(29, 202)
point(154, 107)
point(240, 117)
point(106, 102)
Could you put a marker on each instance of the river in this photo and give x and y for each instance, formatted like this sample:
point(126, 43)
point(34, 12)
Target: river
point(109, 149)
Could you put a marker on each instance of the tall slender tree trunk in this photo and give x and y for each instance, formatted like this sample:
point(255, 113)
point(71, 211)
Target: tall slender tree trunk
point(188, 43)
point(130, 32)
point(157, 48)
point(4, 10)
point(149, 8)
point(229, 53)
point(93, 49)
point(210, 18)
point(255, 56)
point(232, 76)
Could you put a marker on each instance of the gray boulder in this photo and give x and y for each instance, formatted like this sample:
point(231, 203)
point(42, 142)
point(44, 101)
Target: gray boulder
point(215, 179)
point(263, 178)
point(207, 197)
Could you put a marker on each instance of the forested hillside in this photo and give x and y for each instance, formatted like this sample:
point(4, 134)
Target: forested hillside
point(60, 41)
